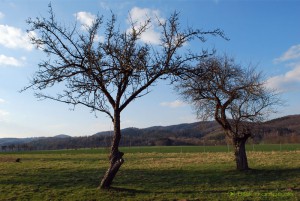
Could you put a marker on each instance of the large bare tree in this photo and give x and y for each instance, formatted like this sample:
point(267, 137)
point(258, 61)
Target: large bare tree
point(108, 75)
point(235, 97)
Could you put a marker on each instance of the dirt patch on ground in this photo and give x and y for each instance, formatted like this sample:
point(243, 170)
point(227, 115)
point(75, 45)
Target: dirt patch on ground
point(9, 159)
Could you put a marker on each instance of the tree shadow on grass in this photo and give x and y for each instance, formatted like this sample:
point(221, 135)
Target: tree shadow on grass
point(212, 181)
point(53, 178)
point(132, 182)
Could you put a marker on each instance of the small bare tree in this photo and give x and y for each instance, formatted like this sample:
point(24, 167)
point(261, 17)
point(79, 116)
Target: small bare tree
point(234, 96)
point(108, 75)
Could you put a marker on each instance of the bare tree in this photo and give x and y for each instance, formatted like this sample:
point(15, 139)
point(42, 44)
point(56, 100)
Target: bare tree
point(234, 96)
point(108, 75)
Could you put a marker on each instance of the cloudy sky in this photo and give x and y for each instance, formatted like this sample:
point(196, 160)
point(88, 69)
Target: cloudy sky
point(264, 33)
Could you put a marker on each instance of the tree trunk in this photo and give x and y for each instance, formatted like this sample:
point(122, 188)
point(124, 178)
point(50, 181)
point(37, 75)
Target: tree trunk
point(115, 157)
point(240, 153)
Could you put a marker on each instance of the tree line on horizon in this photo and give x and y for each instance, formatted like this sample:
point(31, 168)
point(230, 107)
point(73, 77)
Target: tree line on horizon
point(196, 134)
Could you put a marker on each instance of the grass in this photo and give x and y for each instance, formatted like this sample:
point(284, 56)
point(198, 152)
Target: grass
point(164, 173)
point(169, 149)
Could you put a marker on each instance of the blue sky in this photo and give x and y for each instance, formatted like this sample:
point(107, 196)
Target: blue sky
point(264, 33)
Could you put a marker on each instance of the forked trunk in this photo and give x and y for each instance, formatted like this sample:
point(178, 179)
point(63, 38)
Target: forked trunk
point(240, 153)
point(115, 157)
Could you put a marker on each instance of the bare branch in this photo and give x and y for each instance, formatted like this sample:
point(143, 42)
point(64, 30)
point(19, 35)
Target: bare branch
point(232, 95)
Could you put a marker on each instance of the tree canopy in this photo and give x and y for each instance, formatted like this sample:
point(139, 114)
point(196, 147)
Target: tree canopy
point(111, 73)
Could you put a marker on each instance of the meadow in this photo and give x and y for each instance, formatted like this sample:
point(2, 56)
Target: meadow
point(153, 173)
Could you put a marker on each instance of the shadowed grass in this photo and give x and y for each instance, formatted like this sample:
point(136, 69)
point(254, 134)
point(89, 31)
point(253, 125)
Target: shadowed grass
point(151, 176)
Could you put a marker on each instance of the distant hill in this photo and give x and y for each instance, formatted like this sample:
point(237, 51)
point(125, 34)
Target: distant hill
point(197, 129)
point(16, 141)
point(291, 122)
point(8, 141)
point(281, 130)
point(62, 136)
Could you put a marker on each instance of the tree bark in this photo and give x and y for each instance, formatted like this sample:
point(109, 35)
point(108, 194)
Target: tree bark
point(115, 157)
point(240, 153)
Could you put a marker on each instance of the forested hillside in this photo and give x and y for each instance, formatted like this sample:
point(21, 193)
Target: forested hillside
point(282, 130)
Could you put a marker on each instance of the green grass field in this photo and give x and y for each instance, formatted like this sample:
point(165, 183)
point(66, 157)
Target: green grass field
point(153, 173)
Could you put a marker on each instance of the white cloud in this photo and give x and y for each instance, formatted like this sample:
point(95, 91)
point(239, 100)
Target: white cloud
point(286, 82)
point(2, 101)
point(292, 53)
point(1, 15)
point(290, 80)
point(85, 18)
point(10, 61)
point(139, 16)
point(173, 104)
point(12, 37)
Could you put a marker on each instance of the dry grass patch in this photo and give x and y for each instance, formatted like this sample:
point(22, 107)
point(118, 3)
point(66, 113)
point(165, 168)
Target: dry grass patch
point(10, 160)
